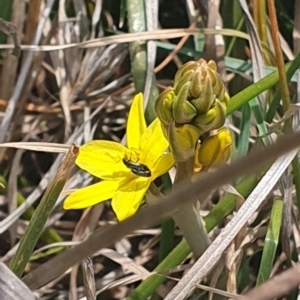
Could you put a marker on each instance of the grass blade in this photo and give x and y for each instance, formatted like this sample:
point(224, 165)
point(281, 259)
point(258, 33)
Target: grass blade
point(41, 214)
point(271, 242)
point(243, 143)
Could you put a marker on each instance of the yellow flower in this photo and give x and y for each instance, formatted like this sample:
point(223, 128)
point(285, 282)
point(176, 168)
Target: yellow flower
point(126, 172)
point(215, 150)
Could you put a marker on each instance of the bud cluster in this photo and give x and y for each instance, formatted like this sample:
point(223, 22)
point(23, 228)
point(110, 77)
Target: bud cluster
point(198, 97)
point(197, 103)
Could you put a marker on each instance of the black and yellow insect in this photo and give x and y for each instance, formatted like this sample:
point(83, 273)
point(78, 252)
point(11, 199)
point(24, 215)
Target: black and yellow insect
point(137, 168)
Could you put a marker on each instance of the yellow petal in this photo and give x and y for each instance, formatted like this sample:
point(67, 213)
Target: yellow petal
point(215, 149)
point(153, 144)
point(163, 165)
point(136, 124)
point(91, 195)
point(129, 196)
point(103, 159)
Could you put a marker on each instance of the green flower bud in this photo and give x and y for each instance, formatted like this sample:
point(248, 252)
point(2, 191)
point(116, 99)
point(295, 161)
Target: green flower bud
point(183, 110)
point(189, 66)
point(226, 99)
point(212, 65)
point(203, 94)
point(182, 141)
point(163, 106)
point(186, 78)
point(215, 150)
point(213, 119)
point(205, 84)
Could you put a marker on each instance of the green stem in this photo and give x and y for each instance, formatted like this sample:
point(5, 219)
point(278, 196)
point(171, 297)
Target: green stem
point(187, 218)
point(279, 56)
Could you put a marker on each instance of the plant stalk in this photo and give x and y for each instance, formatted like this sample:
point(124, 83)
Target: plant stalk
point(187, 218)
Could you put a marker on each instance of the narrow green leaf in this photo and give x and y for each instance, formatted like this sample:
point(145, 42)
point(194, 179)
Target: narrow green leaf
point(296, 179)
point(260, 123)
point(271, 242)
point(243, 143)
point(5, 14)
point(138, 55)
point(137, 23)
point(166, 238)
point(41, 214)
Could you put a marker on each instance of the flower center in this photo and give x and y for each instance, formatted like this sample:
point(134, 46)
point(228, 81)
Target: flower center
point(131, 161)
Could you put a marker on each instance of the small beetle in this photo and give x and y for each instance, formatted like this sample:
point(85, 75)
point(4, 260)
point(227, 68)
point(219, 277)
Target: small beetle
point(137, 168)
